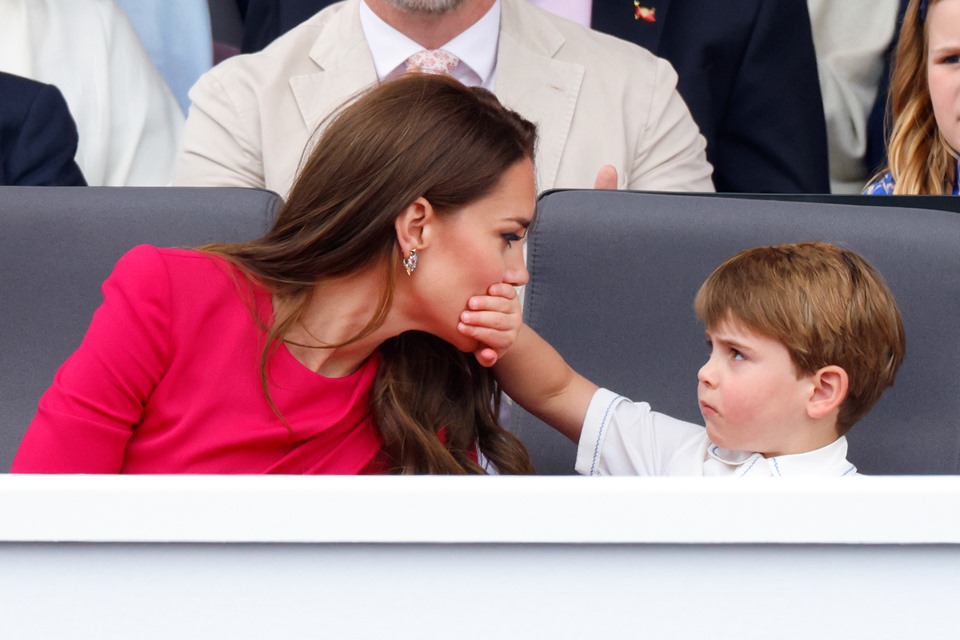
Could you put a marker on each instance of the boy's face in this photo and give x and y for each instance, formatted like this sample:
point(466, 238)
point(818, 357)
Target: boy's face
point(943, 67)
point(750, 397)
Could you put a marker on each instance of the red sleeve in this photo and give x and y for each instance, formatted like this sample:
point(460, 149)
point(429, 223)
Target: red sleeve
point(86, 417)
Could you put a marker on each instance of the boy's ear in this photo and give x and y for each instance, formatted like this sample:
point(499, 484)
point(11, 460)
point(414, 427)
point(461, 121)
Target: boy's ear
point(413, 225)
point(830, 386)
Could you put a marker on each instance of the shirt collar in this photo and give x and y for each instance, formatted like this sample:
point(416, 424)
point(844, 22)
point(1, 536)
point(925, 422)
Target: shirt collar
point(830, 460)
point(476, 47)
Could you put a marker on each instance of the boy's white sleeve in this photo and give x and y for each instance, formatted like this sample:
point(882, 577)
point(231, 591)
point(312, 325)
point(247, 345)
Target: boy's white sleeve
point(621, 437)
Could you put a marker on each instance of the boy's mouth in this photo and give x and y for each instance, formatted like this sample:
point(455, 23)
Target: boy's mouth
point(707, 409)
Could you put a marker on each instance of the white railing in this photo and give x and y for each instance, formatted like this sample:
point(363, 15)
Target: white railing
point(424, 557)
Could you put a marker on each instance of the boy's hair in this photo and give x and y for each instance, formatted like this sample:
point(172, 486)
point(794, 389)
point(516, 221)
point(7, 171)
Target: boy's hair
point(827, 306)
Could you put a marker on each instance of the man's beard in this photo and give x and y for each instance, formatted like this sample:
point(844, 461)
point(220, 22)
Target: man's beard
point(427, 6)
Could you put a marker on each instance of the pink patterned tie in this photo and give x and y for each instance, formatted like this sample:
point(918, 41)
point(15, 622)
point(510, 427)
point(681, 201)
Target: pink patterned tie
point(435, 61)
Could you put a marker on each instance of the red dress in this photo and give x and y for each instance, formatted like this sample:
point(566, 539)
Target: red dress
point(167, 380)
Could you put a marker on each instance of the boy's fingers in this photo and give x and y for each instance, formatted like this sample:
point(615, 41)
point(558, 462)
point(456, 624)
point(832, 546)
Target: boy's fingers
point(487, 337)
point(495, 293)
point(503, 290)
point(486, 357)
point(489, 319)
point(492, 303)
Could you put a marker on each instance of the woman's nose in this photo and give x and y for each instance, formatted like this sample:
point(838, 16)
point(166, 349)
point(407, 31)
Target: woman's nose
point(517, 273)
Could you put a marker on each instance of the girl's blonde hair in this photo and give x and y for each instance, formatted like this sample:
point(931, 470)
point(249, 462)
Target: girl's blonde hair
point(918, 158)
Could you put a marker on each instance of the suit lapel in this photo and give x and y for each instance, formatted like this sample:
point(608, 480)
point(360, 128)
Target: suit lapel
point(344, 66)
point(616, 17)
point(536, 85)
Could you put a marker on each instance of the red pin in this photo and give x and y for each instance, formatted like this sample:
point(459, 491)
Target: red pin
point(647, 14)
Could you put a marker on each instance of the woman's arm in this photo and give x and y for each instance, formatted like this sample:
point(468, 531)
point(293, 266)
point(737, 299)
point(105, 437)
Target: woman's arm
point(86, 417)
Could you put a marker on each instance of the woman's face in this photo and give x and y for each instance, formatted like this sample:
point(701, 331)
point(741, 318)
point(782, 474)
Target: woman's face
point(472, 248)
point(943, 67)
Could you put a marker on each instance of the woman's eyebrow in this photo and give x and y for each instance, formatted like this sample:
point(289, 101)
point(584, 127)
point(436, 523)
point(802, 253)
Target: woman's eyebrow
point(523, 222)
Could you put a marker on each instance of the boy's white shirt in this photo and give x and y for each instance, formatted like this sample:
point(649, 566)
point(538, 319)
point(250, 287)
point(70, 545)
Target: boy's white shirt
point(621, 437)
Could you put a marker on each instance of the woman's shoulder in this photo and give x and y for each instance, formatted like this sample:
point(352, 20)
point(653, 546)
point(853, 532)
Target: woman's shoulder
point(147, 257)
point(182, 268)
point(187, 283)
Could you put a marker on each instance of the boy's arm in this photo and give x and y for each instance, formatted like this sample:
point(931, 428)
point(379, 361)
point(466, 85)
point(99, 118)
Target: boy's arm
point(535, 376)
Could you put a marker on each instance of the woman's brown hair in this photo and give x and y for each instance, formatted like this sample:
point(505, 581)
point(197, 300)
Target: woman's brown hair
point(417, 136)
point(918, 158)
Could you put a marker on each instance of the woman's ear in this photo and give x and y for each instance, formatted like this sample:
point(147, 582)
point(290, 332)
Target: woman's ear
point(830, 386)
point(413, 225)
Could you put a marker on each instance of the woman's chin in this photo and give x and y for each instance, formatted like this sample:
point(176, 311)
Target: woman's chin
point(459, 341)
point(463, 343)
point(468, 345)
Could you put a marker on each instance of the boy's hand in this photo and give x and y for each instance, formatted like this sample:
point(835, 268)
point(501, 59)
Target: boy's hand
point(493, 320)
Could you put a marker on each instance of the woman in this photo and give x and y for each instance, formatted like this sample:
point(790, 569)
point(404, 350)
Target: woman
point(337, 342)
point(924, 87)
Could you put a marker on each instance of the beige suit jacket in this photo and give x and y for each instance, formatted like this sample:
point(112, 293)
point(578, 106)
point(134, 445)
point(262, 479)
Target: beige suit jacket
point(596, 99)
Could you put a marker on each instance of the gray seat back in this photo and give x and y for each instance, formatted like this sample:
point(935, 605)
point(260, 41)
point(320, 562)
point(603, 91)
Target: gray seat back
point(58, 244)
point(613, 276)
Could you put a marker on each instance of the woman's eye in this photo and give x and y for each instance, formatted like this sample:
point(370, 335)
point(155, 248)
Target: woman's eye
point(511, 238)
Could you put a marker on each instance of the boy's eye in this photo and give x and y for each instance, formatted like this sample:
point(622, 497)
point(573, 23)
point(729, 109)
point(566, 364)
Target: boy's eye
point(737, 355)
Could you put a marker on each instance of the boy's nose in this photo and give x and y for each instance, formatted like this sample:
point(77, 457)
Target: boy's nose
point(705, 374)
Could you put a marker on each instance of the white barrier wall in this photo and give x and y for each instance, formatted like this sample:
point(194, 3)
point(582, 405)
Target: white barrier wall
point(431, 557)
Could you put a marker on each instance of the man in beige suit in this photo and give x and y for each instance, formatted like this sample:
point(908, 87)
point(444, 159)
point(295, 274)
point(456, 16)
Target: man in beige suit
point(598, 100)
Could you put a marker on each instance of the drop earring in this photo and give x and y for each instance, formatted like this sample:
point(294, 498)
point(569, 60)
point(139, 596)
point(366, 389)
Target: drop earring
point(410, 262)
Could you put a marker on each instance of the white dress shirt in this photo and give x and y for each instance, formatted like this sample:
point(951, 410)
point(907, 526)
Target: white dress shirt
point(621, 437)
point(476, 47)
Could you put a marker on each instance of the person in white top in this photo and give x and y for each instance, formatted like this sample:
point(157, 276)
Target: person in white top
point(128, 121)
point(804, 338)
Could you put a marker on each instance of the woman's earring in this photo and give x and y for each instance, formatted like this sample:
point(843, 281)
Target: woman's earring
point(410, 262)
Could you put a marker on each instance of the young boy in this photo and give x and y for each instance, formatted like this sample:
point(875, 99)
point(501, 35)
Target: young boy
point(803, 340)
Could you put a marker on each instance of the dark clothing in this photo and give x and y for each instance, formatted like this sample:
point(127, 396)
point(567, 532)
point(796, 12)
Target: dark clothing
point(266, 20)
point(748, 72)
point(38, 137)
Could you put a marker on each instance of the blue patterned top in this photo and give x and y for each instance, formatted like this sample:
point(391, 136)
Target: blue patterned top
point(884, 185)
